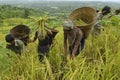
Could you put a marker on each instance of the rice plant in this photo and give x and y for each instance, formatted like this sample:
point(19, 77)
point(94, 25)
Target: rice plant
point(99, 60)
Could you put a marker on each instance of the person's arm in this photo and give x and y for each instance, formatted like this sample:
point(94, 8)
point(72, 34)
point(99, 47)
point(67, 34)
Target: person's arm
point(34, 39)
point(100, 16)
point(77, 43)
point(30, 40)
point(65, 45)
point(36, 36)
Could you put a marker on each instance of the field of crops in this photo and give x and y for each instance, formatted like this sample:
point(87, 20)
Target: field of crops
point(99, 60)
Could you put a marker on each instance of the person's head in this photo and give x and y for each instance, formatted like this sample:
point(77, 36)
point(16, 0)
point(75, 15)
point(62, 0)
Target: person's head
point(9, 38)
point(97, 10)
point(68, 25)
point(106, 10)
point(117, 11)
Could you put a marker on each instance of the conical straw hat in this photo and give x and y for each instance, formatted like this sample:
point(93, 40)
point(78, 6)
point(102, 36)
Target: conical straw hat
point(20, 31)
point(86, 14)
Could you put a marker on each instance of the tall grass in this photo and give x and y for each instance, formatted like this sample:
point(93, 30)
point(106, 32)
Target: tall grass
point(99, 60)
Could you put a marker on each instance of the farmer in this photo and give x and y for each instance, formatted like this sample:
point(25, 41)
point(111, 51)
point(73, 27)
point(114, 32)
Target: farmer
point(75, 37)
point(76, 33)
point(15, 45)
point(18, 39)
point(116, 12)
point(100, 14)
point(106, 10)
point(45, 42)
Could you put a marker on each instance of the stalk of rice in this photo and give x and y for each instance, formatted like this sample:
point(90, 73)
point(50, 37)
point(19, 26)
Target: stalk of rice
point(80, 22)
point(42, 30)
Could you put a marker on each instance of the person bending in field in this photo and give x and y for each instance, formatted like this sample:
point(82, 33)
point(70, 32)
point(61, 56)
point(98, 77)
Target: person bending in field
point(45, 42)
point(15, 45)
point(116, 12)
point(98, 27)
point(75, 37)
point(18, 38)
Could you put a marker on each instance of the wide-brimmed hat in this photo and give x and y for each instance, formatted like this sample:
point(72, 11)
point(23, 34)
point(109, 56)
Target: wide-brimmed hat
point(86, 14)
point(20, 31)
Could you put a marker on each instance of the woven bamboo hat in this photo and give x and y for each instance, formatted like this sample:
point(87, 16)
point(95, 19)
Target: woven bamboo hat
point(86, 14)
point(20, 31)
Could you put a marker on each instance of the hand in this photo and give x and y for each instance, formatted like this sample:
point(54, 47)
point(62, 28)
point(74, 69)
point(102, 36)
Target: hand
point(35, 37)
point(31, 40)
point(73, 55)
point(67, 57)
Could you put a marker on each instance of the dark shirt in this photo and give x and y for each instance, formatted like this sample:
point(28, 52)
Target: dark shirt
point(15, 49)
point(44, 44)
point(46, 41)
